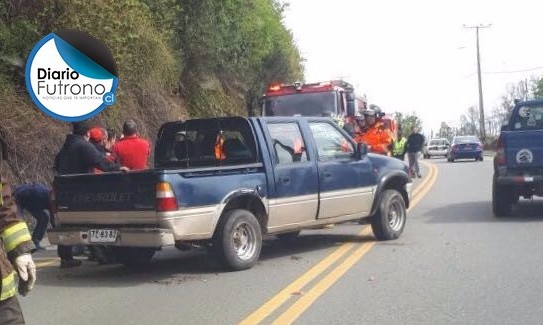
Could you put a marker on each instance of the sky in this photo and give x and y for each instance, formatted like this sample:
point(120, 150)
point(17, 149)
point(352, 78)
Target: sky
point(415, 56)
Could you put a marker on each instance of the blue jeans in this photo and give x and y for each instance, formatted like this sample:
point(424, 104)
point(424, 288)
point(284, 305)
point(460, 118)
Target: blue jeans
point(42, 221)
point(413, 158)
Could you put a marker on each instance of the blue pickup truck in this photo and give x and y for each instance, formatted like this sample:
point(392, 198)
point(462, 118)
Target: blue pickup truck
point(225, 183)
point(518, 164)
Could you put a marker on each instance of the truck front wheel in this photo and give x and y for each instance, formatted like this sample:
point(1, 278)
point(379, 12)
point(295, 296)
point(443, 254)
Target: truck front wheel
point(238, 240)
point(133, 256)
point(388, 221)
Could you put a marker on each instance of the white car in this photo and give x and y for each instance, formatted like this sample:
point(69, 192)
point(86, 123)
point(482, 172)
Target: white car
point(436, 147)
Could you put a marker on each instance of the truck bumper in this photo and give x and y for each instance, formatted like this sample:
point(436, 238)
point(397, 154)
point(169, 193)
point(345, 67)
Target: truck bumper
point(520, 180)
point(522, 184)
point(147, 237)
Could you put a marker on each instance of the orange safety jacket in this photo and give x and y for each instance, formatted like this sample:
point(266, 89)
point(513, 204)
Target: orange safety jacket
point(219, 150)
point(378, 138)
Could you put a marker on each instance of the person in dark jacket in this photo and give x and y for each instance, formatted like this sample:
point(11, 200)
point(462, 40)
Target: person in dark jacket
point(415, 141)
point(79, 156)
point(34, 198)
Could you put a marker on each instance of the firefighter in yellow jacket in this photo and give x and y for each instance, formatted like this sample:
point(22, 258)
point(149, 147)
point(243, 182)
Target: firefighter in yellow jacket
point(16, 265)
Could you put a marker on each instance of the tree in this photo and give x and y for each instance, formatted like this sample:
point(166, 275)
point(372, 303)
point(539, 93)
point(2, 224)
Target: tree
point(408, 122)
point(537, 87)
point(445, 131)
point(469, 122)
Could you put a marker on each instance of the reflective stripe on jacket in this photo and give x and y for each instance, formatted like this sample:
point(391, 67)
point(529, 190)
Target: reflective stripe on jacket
point(9, 287)
point(14, 236)
point(398, 148)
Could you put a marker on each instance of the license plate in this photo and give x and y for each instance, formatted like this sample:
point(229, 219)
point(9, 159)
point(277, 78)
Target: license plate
point(103, 235)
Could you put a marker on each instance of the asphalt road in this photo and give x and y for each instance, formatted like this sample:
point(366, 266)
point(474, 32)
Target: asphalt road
point(454, 264)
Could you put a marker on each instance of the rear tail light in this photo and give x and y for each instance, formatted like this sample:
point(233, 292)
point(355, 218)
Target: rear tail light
point(165, 198)
point(500, 158)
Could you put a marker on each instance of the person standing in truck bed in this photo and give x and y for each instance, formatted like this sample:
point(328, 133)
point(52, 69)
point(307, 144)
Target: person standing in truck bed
point(131, 150)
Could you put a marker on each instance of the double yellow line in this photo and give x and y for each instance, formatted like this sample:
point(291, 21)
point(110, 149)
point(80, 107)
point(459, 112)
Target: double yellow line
point(308, 298)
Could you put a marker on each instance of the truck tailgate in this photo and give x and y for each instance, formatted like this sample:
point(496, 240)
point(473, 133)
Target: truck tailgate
point(106, 199)
point(524, 149)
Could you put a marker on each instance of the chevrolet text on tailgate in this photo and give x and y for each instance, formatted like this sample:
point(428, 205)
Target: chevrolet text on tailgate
point(226, 182)
point(518, 164)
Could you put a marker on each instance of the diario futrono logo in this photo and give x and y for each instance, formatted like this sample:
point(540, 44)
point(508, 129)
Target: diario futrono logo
point(71, 75)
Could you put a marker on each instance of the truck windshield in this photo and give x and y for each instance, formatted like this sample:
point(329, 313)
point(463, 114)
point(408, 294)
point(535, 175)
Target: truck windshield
point(303, 104)
point(205, 143)
point(527, 118)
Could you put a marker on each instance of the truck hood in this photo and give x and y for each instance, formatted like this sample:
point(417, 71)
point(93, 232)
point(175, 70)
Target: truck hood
point(382, 163)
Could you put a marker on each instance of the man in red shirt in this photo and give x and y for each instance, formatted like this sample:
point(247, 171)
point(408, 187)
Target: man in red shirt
point(131, 150)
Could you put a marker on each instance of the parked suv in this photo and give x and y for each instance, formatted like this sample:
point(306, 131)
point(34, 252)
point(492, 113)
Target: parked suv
point(436, 147)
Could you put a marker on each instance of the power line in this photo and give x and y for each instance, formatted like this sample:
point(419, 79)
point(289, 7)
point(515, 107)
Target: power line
point(503, 72)
point(514, 71)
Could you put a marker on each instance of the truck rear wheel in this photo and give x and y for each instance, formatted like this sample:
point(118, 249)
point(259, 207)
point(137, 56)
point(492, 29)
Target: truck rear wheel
point(388, 221)
point(133, 256)
point(238, 240)
point(502, 200)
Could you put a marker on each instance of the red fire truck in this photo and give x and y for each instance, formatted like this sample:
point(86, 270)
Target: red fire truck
point(334, 98)
point(311, 99)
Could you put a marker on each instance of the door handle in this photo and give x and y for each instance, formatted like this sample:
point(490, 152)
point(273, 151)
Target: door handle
point(327, 175)
point(284, 179)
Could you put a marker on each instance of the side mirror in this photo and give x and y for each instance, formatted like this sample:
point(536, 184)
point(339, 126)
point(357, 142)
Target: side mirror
point(327, 114)
point(361, 150)
point(504, 128)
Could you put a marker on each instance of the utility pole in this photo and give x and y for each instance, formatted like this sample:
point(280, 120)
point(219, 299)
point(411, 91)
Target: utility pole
point(481, 107)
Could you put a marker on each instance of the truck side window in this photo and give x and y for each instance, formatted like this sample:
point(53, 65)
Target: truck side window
point(288, 144)
point(331, 144)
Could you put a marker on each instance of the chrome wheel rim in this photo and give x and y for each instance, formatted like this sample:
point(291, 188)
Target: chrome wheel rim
point(244, 241)
point(396, 215)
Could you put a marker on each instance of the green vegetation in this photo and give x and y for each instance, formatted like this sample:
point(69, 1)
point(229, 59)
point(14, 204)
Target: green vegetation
point(176, 59)
point(408, 122)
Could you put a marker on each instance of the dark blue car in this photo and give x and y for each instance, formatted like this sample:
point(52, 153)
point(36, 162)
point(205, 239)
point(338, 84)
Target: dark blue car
point(465, 147)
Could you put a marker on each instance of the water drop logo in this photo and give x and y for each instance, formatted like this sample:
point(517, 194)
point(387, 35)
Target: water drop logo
point(71, 76)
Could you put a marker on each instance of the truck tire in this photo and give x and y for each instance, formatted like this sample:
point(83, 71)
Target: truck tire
point(502, 200)
point(389, 219)
point(238, 240)
point(133, 256)
point(289, 235)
